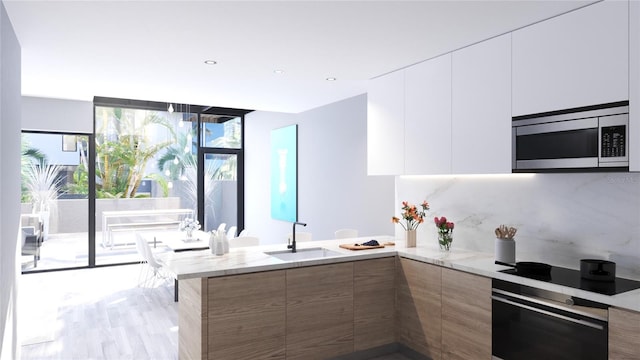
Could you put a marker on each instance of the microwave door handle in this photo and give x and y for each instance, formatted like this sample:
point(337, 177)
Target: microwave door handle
point(549, 313)
point(580, 124)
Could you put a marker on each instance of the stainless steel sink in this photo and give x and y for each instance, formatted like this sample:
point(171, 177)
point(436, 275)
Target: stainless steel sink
point(303, 254)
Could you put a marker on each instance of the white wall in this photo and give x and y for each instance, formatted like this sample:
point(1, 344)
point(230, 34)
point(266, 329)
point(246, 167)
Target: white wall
point(334, 190)
point(57, 115)
point(561, 218)
point(9, 184)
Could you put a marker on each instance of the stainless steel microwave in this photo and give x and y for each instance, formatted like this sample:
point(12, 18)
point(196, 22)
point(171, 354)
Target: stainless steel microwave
point(585, 139)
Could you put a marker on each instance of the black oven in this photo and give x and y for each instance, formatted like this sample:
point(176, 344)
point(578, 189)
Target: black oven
point(591, 138)
point(530, 323)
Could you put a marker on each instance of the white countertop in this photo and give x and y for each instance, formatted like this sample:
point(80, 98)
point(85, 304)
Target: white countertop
point(196, 264)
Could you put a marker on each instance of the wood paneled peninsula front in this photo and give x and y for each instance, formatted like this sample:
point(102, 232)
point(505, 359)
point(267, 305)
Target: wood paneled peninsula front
point(355, 304)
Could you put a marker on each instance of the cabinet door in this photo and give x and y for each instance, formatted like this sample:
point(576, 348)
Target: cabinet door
point(374, 302)
point(428, 117)
point(481, 119)
point(385, 125)
point(192, 319)
point(418, 307)
point(320, 311)
point(624, 334)
point(466, 316)
point(634, 86)
point(247, 316)
point(576, 59)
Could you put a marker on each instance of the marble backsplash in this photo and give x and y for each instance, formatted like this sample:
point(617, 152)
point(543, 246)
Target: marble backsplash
point(561, 218)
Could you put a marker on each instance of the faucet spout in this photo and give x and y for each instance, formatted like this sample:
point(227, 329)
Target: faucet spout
point(292, 246)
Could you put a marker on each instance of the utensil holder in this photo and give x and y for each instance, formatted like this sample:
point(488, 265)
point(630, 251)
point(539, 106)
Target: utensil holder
point(505, 250)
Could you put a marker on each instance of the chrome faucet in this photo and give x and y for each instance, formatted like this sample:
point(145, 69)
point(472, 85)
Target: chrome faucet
point(292, 246)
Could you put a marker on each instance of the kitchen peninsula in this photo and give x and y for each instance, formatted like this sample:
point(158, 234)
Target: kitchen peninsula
point(249, 304)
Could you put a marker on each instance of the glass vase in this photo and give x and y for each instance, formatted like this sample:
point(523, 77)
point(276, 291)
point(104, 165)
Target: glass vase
point(444, 240)
point(189, 234)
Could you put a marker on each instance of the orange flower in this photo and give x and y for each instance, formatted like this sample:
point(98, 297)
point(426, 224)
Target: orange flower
point(411, 215)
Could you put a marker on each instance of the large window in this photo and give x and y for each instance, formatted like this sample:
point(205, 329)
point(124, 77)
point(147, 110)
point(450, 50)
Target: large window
point(55, 202)
point(146, 176)
point(85, 197)
point(151, 172)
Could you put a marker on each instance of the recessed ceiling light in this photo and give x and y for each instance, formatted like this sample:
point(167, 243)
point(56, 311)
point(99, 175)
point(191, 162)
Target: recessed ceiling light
point(210, 62)
point(278, 71)
point(331, 79)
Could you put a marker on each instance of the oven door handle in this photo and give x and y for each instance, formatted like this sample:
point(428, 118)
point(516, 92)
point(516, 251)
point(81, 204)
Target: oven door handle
point(549, 313)
point(572, 125)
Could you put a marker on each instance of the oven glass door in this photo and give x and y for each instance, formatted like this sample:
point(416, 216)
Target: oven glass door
point(568, 144)
point(523, 330)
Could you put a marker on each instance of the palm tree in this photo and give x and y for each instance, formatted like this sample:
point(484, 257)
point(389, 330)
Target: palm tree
point(43, 184)
point(178, 156)
point(123, 150)
point(28, 156)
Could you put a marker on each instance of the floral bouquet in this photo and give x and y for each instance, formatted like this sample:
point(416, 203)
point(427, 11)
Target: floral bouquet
point(445, 231)
point(189, 225)
point(411, 216)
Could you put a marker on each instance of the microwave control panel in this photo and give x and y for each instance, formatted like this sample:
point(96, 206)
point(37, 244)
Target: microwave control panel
point(613, 141)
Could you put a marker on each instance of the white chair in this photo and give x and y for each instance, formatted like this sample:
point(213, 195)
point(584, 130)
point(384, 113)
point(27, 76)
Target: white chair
point(244, 241)
point(149, 258)
point(244, 232)
point(142, 253)
point(346, 233)
point(231, 233)
point(222, 226)
point(301, 236)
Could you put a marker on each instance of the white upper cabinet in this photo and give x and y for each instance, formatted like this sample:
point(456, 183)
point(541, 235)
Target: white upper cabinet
point(428, 117)
point(481, 115)
point(577, 59)
point(634, 86)
point(385, 125)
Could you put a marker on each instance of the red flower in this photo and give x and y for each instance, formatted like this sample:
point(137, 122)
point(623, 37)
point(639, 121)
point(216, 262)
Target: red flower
point(443, 225)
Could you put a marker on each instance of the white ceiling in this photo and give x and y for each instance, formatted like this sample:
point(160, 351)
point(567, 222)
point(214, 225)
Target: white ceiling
point(155, 50)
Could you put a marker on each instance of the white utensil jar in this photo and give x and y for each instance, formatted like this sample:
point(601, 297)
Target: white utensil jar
point(505, 250)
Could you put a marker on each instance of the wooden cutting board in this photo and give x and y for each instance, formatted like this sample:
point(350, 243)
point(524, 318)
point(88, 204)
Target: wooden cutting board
point(360, 247)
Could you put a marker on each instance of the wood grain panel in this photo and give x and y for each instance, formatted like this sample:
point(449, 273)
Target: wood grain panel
point(466, 316)
point(624, 334)
point(374, 302)
point(247, 316)
point(418, 307)
point(319, 311)
point(192, 319)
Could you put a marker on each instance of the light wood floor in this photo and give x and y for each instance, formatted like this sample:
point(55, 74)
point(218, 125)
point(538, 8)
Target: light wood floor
point(100, 313)
point(96, 313)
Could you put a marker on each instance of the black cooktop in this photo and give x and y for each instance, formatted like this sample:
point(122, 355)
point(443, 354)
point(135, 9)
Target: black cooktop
point(572, 278)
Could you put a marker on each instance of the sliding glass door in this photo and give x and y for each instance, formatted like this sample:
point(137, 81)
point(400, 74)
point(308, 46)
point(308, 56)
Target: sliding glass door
point(55, 202)
point(147, 167)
